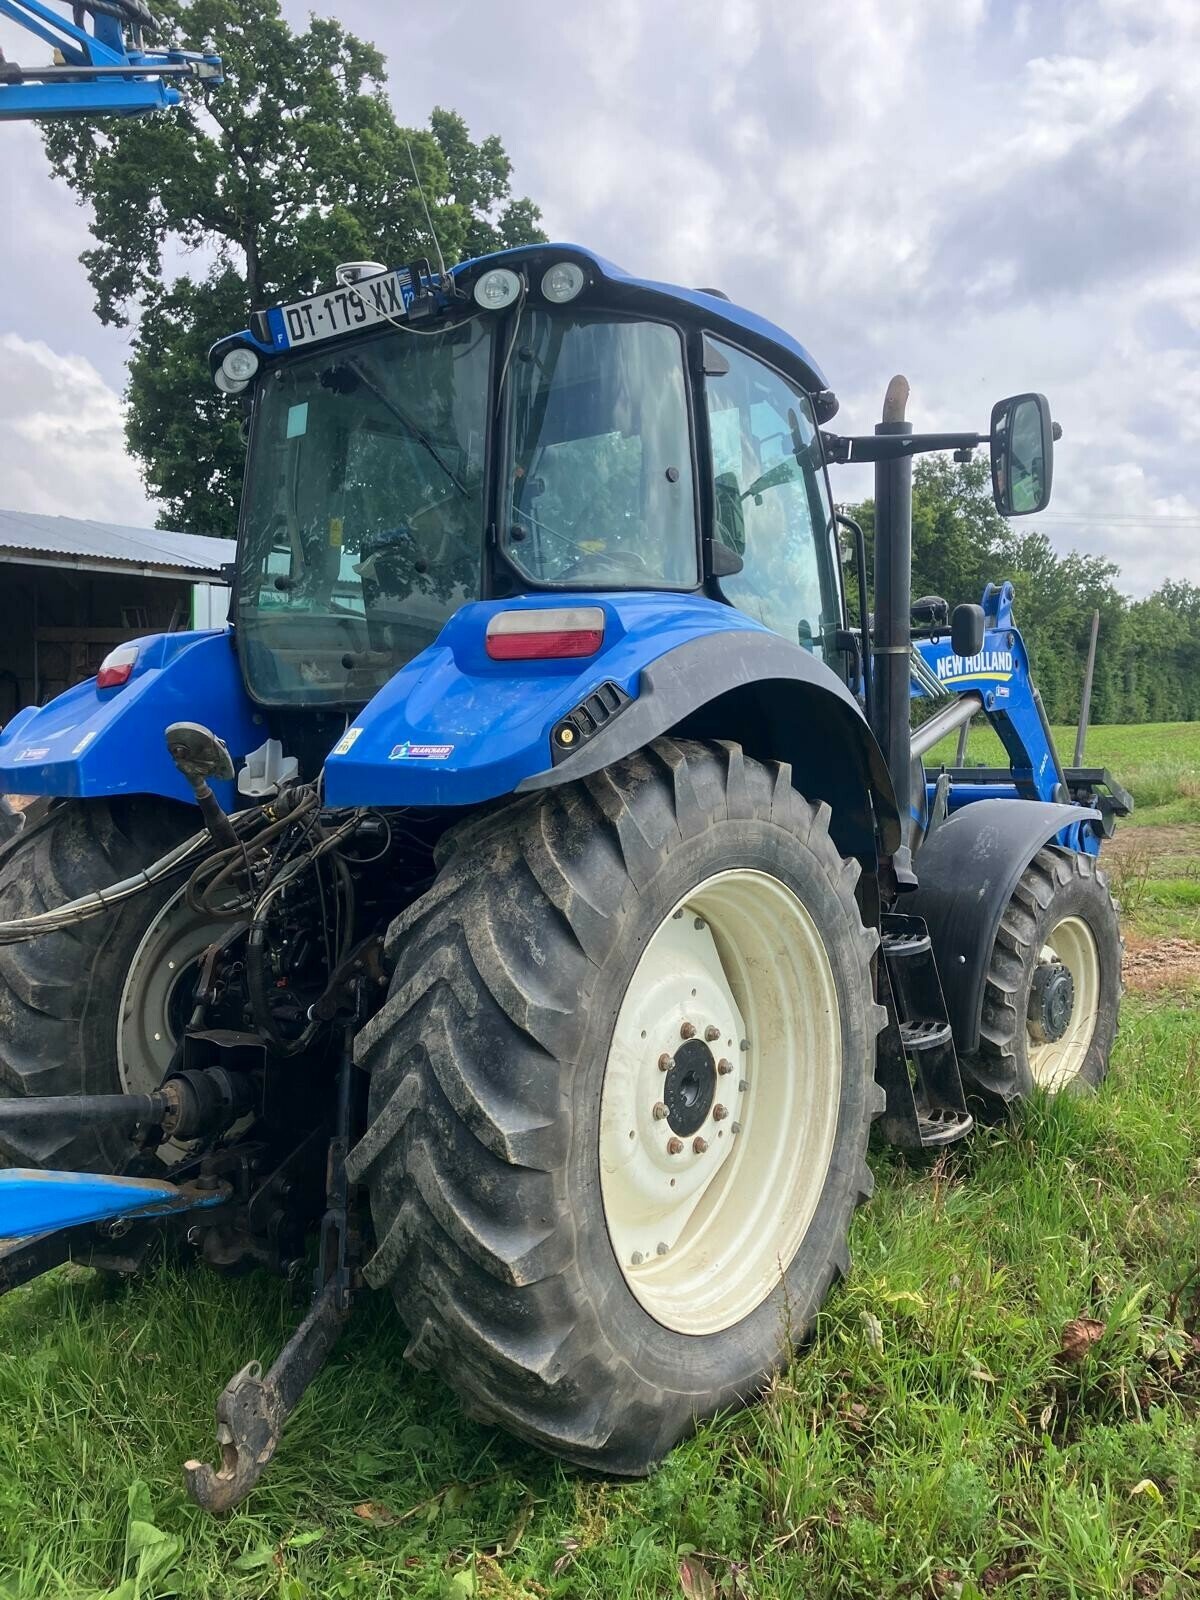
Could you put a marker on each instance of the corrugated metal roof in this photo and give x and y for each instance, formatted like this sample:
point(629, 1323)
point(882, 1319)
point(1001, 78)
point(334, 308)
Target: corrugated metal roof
point(74, 538)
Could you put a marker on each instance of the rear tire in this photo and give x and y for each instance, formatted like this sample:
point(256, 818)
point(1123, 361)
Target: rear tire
point(1061, 918)
point(61, 993)
point(489, 1151)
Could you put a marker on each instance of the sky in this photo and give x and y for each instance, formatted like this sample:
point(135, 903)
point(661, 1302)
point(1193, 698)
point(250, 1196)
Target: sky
point(987, 197)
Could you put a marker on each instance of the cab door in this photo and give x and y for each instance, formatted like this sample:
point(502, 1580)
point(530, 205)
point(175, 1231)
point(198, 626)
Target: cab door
point(770, 502)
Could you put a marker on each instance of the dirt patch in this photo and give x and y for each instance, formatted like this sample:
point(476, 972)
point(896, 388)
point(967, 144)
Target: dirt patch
point(1154, 964)
point(1178, 839)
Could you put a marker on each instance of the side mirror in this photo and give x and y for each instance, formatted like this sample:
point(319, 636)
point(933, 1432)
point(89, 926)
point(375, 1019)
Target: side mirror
point(1022, 443)
point(966, 631)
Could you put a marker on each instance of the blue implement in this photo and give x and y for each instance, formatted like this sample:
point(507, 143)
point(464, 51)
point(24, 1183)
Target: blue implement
point(34, 1202)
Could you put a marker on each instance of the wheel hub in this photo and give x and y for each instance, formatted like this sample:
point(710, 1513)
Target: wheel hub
point(690, 1087)
point(1051, 1002)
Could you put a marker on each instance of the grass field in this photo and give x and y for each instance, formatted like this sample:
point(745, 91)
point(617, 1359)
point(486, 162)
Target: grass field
point(1004, 1399)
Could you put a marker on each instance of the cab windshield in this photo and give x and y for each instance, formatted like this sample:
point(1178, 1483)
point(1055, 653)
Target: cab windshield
point(364, 511)
point(366, 504)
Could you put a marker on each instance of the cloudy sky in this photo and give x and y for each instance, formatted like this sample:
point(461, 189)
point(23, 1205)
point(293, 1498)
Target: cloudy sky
point(986, 196)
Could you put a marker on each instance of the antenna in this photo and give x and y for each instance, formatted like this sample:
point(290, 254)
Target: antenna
point(425, 203)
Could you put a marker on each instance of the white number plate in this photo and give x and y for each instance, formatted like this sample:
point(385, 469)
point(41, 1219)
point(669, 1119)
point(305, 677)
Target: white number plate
point(344, 309)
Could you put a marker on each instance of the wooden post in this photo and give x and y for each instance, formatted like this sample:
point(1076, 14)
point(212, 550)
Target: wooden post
point(1085, 705)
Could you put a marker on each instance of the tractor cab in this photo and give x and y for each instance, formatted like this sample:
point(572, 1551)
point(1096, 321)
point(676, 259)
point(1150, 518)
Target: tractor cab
point(542, 424)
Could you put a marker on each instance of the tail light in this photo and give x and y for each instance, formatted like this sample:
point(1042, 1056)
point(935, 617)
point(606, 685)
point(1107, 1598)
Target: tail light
point(116, 667)
point(551, 634)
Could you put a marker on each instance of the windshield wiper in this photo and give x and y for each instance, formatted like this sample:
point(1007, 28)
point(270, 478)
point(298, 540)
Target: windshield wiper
point(406, 422)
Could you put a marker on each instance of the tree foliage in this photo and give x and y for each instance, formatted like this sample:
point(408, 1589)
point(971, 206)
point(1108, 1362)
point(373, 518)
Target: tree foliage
point(252, 193)
point(1148, 655)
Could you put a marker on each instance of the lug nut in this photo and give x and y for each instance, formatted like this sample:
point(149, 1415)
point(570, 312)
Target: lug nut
point(735, 1127)
point(724, 1067)
point(687, 1031)
point(699, 922)
point(662, 1248)
point(719, 1113)
point(711, 1033)
point(699, 1145)
point(659, 1112)
point(636, 1258)
point(674, 1146)
point(664, 1061)
point(743, 1085)
point(745, 1045)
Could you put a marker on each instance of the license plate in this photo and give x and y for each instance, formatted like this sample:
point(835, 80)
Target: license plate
point(343, 310)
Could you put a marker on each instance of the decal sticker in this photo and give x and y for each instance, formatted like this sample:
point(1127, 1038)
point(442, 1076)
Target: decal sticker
point(994, 665)
point(297, 420)
point(38, 753)
point(78, 749)
point(336, 526)
point(421, 752)
point(346, 742)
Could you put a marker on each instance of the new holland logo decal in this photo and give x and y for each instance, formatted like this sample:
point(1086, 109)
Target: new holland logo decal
point(994, 666)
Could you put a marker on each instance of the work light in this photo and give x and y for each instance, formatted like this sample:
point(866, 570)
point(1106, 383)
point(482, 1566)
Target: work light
point(562, 282)
point(497, 289)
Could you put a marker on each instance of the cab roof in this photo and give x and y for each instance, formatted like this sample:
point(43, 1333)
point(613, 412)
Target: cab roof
point(718, 313)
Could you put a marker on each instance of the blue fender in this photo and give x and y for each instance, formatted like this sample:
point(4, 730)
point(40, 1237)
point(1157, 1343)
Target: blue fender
point(455, 728)
point(92, 741)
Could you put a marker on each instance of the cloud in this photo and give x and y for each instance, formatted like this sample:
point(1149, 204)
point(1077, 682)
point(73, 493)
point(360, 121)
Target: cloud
point(61, 444)
point(987, 197)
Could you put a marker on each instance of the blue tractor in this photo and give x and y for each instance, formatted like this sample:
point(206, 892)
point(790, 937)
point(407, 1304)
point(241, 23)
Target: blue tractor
point(531, 899)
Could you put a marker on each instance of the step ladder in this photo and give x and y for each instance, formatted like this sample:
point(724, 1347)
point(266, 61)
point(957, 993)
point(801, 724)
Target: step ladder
point(916, 1062)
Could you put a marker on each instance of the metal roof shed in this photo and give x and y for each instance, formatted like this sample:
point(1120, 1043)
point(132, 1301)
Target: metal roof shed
point(71, 589)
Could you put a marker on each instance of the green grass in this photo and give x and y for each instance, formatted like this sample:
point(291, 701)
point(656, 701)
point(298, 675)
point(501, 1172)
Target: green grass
point(1158, 762)
point(930, 1441)
point(929, 1436)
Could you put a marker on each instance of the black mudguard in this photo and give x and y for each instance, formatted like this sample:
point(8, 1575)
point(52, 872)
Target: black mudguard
point(781, 703)
point(967, 870)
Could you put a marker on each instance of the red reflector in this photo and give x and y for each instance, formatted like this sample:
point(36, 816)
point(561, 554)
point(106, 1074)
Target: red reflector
point(542, 633)
point(543, 646)
point(113, 677)
point(117, 667)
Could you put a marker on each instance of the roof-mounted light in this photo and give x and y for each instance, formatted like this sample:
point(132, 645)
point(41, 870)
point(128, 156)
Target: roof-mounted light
point(117, 667)
point(562, 282)
point(550, 633)
point(237, 368)
point(497, 289)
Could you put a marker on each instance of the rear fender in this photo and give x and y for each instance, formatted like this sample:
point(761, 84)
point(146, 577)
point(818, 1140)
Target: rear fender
point(968, 868)
point(454, 728)
point(92, 741)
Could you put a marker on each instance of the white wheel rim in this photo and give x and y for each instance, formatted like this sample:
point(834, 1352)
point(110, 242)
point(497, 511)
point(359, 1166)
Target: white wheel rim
point(703, 1232)
point(1054, 1063)
point(151, 997)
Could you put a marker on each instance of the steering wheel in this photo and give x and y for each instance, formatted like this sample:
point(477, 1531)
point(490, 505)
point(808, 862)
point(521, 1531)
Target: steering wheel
point(594, 565)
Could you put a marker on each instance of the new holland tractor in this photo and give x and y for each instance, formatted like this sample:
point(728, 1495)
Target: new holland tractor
point(531, 899)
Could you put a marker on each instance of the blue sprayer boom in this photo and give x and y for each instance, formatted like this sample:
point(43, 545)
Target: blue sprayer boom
point(530, 900)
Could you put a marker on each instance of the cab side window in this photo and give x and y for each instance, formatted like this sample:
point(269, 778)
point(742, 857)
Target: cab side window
point(770, 503)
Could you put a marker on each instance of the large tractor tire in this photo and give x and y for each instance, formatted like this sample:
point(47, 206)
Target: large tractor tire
point(620, 1097)
point(94, 1009)
point(1053, 986)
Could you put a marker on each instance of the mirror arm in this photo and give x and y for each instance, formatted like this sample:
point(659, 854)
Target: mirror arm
point(892, 446)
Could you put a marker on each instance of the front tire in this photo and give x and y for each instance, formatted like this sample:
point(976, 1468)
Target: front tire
point(537, 1030)
point(1053, 987)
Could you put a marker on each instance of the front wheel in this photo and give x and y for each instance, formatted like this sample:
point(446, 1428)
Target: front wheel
point(1053, 986)
point(620, 1099)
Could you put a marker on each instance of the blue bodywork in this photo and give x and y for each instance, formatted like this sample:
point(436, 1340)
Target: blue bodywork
point(453, 727)
point(92, 741)
point(146, 84)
